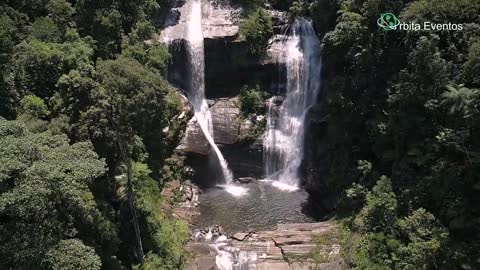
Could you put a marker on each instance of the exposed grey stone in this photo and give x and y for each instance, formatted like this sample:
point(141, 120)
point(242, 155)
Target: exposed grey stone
point(245, 127)
point(239, 236)
point(220, 20)
point(288, 247)
point(226, 120)
point(245, 180)
point(203, 257)
point(194, 140)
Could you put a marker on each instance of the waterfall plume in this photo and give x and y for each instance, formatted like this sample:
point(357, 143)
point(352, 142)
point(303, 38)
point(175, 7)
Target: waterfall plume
point(196, 91)
point(284, 135)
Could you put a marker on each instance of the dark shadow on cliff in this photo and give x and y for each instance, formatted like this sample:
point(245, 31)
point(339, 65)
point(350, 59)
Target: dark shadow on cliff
point(315, 210)
point(207, 170)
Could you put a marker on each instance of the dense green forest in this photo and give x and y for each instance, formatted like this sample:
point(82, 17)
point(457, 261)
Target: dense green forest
point(88, 127)
point(84, 149)
point(404, 119)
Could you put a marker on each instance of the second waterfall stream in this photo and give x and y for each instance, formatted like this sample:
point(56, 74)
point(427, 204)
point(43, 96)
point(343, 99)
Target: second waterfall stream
point(284, 136)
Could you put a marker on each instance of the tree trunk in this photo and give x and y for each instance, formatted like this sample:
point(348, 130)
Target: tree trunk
point(131, 198)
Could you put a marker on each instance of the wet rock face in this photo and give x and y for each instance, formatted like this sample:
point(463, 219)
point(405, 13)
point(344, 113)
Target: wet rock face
point(194, 140)
point(228, 129)
point(228, 67)
point(226, 125)
point(226, 120)
point(228, 64)
point(177, 70)
point(245, 160)
point(316, 162)
point(221, 20)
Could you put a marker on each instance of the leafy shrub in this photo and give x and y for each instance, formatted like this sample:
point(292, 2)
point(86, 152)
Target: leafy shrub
point(379, 212)
point(33, 106)
point(257, 30)
point(255, 131)
point(425, 238)
point(60, 11)
point(472, 65)
point(72, 254)
point(252, 101)
point(175, 168)
point(377, 251)
point(250, 4)
point(163, 235)
point(44, 29)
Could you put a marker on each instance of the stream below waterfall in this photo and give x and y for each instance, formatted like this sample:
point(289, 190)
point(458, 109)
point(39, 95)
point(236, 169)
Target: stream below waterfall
point(262, 207)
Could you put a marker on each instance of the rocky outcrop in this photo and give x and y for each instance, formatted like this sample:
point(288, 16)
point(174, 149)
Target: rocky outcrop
point(290, 246)
point(185, 206)
point(317, 181)
point(226, 120)
point(228, 67)
point(228, 64)
point(244, 158)
point(220, 20)
point(194, 140)
point(226, 125)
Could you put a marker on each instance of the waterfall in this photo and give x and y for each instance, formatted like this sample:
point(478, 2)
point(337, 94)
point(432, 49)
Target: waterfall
point(284, 135)
point(196, 91)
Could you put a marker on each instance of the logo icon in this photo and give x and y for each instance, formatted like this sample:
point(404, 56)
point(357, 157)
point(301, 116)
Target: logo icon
point(388, 21)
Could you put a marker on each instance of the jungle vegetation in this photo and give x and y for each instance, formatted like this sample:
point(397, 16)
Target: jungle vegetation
point(403, 117)
point(84, 149)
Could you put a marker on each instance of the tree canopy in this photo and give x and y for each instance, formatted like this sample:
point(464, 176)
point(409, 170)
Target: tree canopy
point(87, 104)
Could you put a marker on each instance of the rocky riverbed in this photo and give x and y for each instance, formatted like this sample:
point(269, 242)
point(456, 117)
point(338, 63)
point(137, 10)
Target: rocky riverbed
point(290, 246)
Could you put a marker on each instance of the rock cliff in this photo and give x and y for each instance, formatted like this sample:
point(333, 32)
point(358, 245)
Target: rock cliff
point(317, 162)
point(228, 67)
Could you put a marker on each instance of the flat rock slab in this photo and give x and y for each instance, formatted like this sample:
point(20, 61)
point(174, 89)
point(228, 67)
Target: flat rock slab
point(240, 236)
point(199, 249)
point(226, 120)
point(202, 263)
point(293, 239)
point(286, 248)
point(315, 227)
point(298, 250)
point(245, 180)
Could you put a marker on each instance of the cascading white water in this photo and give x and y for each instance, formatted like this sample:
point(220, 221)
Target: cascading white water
point(284, 135)
point(196, 91)
point(228, 256)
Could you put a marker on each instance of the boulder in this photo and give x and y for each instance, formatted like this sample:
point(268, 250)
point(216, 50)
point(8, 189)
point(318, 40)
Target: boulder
point(240, 236)
point(245, 159)
point(226, 120)
point(194, 140)
point(226, 125)
point(245, 180)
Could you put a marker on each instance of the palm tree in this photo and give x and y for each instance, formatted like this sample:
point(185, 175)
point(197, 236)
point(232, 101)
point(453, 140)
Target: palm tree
point(462, 100)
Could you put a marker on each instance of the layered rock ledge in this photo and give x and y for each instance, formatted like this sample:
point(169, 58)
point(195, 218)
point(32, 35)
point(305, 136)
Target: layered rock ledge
point(290, 246)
